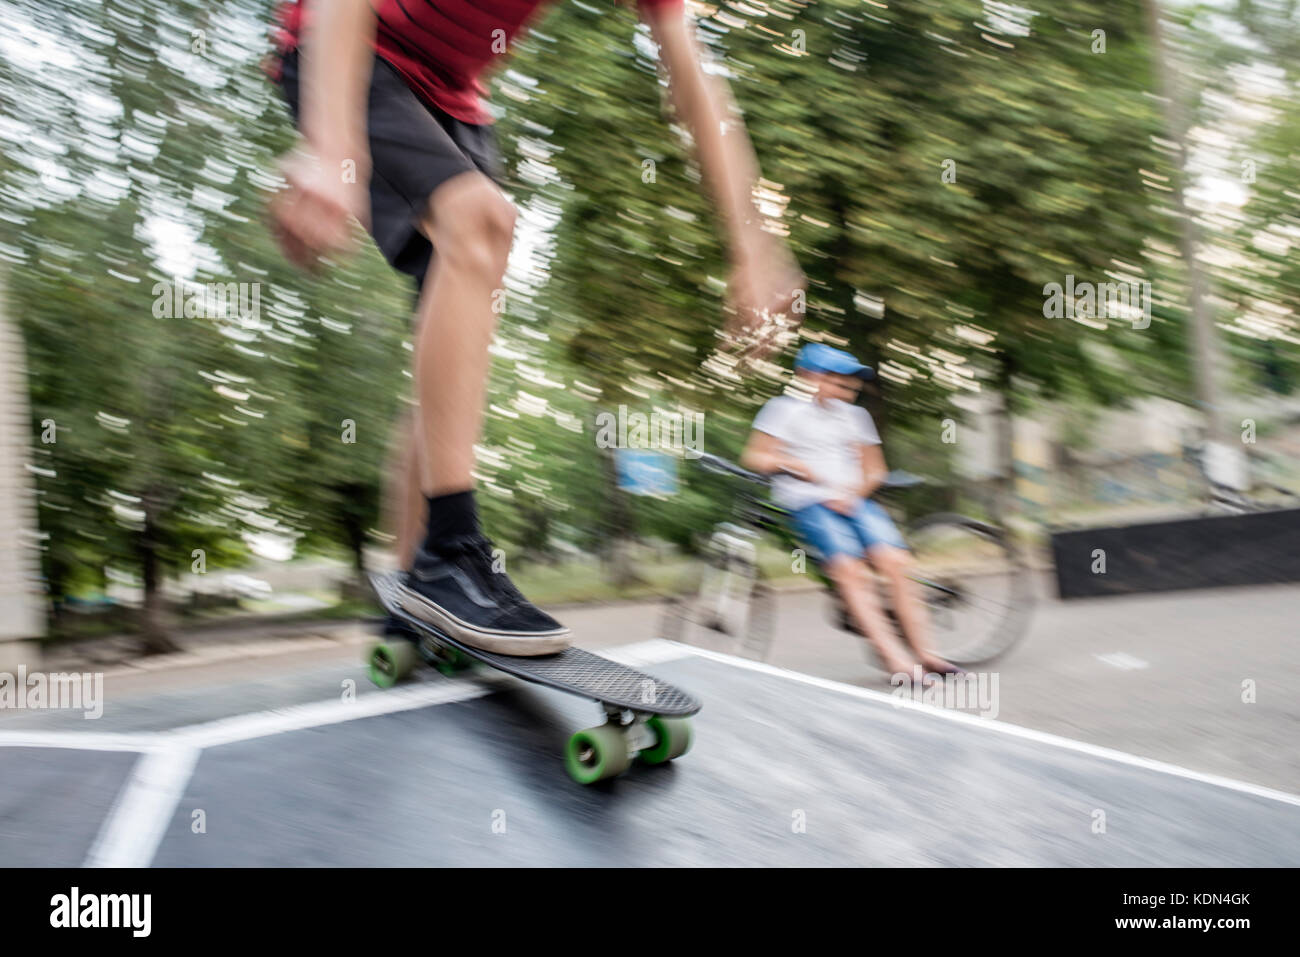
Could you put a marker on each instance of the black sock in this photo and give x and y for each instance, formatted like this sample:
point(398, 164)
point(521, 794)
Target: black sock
point(450, 516)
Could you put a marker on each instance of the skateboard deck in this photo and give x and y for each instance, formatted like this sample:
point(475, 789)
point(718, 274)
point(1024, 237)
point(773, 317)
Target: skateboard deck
point(646, 718)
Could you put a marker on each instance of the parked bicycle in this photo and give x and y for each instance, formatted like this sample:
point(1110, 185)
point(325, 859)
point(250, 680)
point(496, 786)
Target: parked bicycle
point(973, 579)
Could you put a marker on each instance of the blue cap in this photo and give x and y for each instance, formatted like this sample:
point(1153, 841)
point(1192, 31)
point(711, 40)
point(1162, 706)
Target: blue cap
point(819, 357)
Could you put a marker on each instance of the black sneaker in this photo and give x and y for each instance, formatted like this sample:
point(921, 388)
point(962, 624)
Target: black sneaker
point(455, 590)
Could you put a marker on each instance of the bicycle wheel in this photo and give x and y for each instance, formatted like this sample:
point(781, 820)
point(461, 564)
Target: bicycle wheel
point(722, 605)
point(975, 586)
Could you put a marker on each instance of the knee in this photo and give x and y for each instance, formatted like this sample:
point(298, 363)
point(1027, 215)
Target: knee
point(472, 226)
point(846, 572)
point(893, 563)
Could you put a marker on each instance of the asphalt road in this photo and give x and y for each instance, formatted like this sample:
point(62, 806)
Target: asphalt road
point(1120, 737)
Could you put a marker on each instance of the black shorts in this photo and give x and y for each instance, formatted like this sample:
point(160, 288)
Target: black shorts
point(414, 149)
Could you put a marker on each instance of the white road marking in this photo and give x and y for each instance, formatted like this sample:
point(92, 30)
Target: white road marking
point(1122, 661)
point(650, 652)
point(260, 724)
point(77, 740)
point(146, 804)
point(1001, 727)
point(144, 808)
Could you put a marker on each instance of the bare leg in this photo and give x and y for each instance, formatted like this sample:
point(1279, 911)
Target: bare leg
point(895, 564)
point(852, 581)
point(471, 224)
point(457, 586)
point(405, 500)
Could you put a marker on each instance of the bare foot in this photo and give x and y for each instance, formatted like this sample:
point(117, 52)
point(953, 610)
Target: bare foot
point(939, 666)
point(909, 668)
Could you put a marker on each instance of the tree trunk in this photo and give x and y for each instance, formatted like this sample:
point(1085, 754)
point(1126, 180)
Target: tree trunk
point(1206, 358)
point(618, 561)
point(357, 545)
point(154, 639)
point(1002, 501)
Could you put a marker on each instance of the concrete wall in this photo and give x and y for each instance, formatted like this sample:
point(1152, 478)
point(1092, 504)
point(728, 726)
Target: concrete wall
point(21, 605)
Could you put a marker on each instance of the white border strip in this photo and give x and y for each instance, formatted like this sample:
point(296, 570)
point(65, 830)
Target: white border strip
point(144, 809)
point(316, 714)
point(257, 724)
point(79, 740)
point(1002, 727)
point(260, 724)
point(656, 650)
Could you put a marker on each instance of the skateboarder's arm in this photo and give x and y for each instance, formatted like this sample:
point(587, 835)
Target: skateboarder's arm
point(765, 275)
point(337, 55)
point(328, 174)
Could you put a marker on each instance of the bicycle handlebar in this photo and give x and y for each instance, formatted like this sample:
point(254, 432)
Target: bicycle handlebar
point(714, 463)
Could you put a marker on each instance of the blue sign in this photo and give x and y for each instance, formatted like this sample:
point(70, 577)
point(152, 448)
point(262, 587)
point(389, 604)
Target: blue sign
point(643, 472)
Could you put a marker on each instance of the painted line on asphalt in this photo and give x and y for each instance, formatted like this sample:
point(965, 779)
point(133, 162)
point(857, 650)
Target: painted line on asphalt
point(79, 740)
point(259, 724)
point(1003, 727)
point(144, 809)
point(146, 805)
point(317, 714)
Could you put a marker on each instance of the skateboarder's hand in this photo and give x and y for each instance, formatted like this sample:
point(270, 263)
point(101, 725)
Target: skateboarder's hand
point(314, 215)
point(765, 293)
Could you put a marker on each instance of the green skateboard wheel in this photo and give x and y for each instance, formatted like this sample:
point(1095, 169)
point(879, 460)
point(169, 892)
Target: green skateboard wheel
point(597, 754)
point(673, 737)
point(451, 661)
point(391, 661)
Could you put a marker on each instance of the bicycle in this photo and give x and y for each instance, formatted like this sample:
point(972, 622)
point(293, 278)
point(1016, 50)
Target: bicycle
point(973, 579)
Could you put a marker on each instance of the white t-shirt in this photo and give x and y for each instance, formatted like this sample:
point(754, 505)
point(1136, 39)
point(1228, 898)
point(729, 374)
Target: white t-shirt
point(826, 438)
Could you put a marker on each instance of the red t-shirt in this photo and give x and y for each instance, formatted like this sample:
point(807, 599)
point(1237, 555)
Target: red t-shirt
point(441, 47)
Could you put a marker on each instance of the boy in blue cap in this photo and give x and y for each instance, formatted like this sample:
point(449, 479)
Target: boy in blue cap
point(826, 458)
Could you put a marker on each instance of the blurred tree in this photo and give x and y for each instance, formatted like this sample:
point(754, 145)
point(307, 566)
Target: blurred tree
point(934, 164)
point(927, 241)
point(186, 422)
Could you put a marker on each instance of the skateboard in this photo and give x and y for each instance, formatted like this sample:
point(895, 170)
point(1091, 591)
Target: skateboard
point(645, 718)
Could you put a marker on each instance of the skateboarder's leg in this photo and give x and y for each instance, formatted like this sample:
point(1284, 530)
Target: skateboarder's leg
point(471, 224)
point(431, 183)
point(456, 583)
point(405, 504)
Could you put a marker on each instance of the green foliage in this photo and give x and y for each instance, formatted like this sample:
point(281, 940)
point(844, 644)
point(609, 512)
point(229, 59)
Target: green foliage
point(934, 165)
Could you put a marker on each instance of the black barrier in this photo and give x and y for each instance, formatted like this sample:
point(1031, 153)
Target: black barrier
point(1259, 548)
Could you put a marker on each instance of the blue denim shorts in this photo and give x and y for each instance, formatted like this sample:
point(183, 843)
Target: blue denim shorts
point(827, 533)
